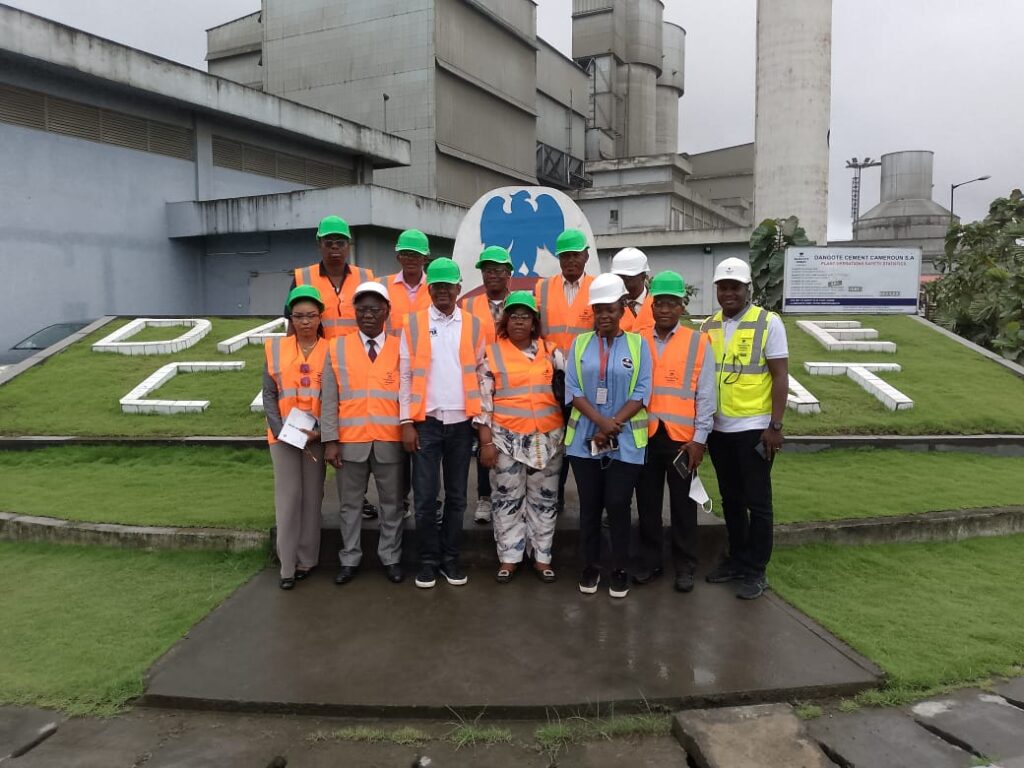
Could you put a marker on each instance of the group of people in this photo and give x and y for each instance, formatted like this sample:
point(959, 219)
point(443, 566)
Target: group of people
point(604, 374)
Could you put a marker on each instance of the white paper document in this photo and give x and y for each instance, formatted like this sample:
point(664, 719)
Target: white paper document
point(292, 433)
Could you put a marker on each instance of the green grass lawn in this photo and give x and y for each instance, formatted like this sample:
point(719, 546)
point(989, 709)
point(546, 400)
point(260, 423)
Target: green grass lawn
point(931, 615)
point(955, 390)
point(142, 485)
point(76, 392)
point(82, 624)
point(875, 482)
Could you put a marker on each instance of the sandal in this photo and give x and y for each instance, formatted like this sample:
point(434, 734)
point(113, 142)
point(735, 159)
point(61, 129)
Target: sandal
point(504, 575)
point(545, 574)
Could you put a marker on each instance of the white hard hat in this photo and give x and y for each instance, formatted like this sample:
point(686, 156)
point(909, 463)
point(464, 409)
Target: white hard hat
point(371, 286)
point(606, 289)
point(732, 269)
point(629, 262)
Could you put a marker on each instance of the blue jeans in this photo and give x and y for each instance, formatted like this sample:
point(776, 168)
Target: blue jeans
point(449, 446)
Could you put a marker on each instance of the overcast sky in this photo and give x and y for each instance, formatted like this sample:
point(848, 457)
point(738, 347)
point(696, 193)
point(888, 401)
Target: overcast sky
point(941, 75)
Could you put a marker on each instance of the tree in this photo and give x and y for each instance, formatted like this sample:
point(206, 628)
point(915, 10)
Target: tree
point(980, 295)
point(768, 245)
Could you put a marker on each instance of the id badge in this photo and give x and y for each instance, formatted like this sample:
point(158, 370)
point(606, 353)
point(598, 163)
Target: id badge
point(602, 396)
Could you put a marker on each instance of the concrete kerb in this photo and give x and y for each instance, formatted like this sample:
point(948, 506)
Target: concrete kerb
point(15, 527)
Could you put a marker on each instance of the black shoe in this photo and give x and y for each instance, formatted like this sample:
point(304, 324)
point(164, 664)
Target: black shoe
point(394, 573)
point(345, 574)
point(426, 577)
point(589, 580)
point(287, 584)
point(454, 574)
point(300, 574)
point(369, 511)
point(723, 572)
point(647, 575)
point(684, 582)
point(752, 587)
point(619, 586)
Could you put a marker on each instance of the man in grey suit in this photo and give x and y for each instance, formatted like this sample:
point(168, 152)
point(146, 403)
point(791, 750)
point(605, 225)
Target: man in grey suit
point(361, 431)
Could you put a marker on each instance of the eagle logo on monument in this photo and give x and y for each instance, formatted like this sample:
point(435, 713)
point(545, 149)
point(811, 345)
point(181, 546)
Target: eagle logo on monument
point(522, 224)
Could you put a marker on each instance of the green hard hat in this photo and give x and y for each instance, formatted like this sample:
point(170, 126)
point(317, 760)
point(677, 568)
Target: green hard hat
point(333, 225)
point(495, 254)
point(668, 283)
point(522, 299)
point(307, 292)
point(570, 241)
point(443, 270)
point(413, 240)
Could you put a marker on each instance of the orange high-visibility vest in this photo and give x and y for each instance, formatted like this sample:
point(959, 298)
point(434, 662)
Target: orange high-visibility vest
point(418, 333)
point(674, 383)
point(643, 321)
point(367, 391)
point(479, 307)
point(523, 400)
point(339, 316)
point(560, 323)
point(401, 306)
point(284, 363)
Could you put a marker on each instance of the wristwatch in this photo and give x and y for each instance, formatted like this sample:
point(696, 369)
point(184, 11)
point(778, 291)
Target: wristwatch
point(776, 425)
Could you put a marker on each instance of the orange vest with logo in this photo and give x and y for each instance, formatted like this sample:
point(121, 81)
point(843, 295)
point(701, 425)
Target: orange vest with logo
point(401, 306)
point(339, 316)
point(523, 400)
point(367, 391)
point(643, 321)
point(284, 364)
point(418, 333)
point(674, 383)
point(559, 322)
point(479, 307)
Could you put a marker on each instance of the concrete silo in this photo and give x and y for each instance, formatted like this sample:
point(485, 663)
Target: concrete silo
point(794, 54)
point(643, 66)
point(669, 88)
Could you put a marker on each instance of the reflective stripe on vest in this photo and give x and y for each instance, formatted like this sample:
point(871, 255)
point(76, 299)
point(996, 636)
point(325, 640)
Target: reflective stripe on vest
point(420, 361)
point(744, 382)
point(338, 318)
point(367, 391)
point(283, 364)
point(565, 330)
point(673, 393)
point(638, 423)
point(523, 399)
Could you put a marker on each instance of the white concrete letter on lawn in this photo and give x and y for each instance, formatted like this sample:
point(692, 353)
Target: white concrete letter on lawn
point(136, 402)
point(864, 375)
point(253, 336)
point(116, 341)
point(800, 400)
point(845, 336)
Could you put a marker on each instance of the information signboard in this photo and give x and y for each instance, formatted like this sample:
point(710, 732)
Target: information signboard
point(828, 279)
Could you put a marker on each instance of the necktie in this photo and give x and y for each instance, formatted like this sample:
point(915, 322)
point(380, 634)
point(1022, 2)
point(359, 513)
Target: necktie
point(371, 349)
point(634, 307)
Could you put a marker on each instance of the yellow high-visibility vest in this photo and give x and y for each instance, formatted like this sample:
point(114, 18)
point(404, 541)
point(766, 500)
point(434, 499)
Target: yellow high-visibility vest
point(741, 369)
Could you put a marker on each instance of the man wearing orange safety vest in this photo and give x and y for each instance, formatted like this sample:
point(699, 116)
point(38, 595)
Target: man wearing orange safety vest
point(563, 299)
point(334, 277)
point(631, 265)
point(439, 394)
point(680, 417)
point(362, 432)
point(495, 265)
point(407, 288)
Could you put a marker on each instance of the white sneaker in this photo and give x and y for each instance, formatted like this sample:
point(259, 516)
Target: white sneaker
point(483, 511)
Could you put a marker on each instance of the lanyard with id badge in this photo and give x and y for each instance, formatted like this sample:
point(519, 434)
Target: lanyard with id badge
point(601, 397)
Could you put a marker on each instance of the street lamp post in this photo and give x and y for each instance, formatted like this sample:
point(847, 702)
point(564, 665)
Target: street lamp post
point(952, 189)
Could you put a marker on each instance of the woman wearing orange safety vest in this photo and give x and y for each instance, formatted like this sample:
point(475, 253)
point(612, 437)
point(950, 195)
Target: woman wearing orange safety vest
point(521, 434)
point(291, 380)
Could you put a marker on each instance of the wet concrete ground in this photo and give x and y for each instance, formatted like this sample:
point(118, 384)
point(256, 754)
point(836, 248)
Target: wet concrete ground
point(375, 648)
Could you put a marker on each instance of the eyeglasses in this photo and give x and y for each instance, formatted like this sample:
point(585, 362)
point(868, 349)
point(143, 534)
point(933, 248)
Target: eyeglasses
point(410, 256)
point(334, 242)
point(495, 270)
point(372, 311)
point(520, 317)
point(667, 302)
point(305, 316)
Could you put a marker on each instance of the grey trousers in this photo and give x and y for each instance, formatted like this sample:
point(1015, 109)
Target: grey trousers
point(298, 497)
point(352, 481)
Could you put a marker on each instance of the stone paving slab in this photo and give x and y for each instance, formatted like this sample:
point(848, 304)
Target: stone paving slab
point(981, 722)
point(884, 738)
point(373, 648)
point(762, 736)
point(1012, 691)
point(21, 726)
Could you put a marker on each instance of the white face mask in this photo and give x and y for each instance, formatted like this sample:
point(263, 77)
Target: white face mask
point(698, 494)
